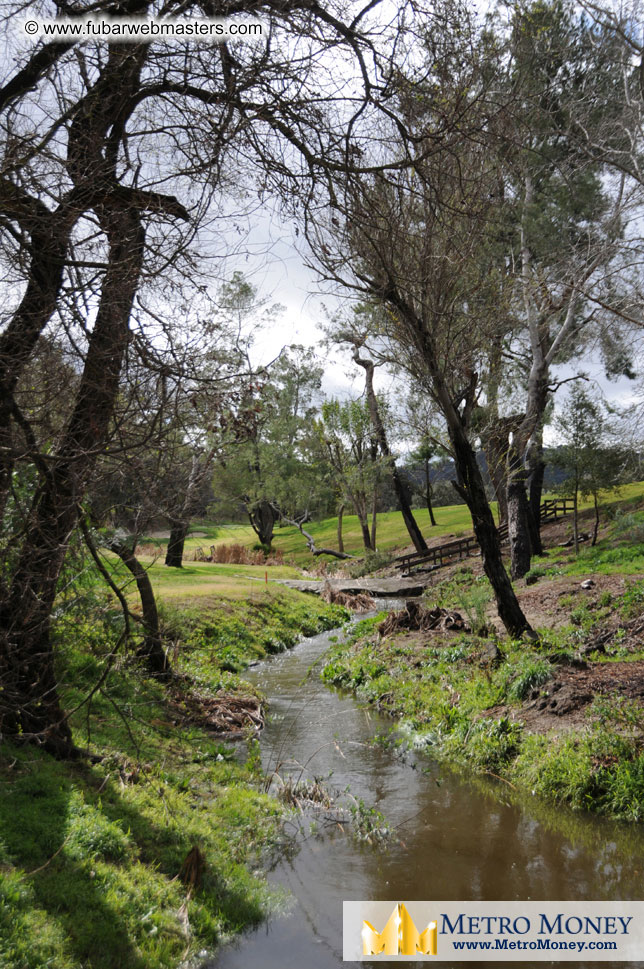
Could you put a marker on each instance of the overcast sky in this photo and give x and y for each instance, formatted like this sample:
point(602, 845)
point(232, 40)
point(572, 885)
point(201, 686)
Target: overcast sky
point(273, 264)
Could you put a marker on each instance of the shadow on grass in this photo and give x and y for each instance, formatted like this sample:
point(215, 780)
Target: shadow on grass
point(34, 820)
point(105, 903)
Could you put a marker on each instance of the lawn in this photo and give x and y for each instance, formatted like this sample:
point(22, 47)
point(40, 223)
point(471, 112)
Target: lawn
point(453, 521)
point(197, 579)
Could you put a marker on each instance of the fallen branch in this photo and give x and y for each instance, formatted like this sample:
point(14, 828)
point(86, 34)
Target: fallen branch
point(359, 602)
point(310, 541)
point(417, 617)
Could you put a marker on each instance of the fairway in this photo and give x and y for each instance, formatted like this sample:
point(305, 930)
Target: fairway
point(453, 521)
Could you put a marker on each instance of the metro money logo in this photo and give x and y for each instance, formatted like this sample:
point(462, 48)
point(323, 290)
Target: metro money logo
point(400, 937)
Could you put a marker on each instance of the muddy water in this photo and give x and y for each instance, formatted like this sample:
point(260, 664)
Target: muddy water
point(460, 839)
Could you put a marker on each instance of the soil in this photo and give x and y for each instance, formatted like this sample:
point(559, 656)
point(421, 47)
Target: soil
point(562, 702)
point(549, 602)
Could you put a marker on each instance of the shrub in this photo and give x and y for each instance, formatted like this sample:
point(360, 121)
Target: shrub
point(370, 563)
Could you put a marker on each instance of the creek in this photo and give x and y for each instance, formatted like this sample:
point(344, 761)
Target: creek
point(458, 837)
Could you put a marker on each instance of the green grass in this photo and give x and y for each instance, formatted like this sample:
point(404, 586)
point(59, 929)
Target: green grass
point(620, 552)
point(206, 579)
point(90, 853)
point(452, 520)
point(442, 690)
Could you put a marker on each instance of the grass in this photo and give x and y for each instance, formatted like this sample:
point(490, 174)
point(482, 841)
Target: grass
point(91, 853)
point(453, 520)
point(444, 690)
point(620, 552)
point(228, 581)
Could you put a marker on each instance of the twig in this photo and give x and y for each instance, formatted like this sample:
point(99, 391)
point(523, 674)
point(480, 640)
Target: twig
point(499, 778)
point(28, 874)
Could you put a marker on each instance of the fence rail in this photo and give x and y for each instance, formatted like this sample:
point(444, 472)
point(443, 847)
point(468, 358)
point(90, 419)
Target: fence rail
point(439, 555)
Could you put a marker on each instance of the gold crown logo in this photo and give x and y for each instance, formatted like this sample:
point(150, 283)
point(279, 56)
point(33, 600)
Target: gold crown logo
point(400, 937)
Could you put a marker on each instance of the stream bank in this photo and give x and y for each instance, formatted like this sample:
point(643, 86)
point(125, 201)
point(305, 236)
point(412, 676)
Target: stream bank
point(454, 837)
point(153, 850)
point(562, 719)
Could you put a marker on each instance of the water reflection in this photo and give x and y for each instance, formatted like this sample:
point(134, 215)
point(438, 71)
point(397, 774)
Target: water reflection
point(461, 838)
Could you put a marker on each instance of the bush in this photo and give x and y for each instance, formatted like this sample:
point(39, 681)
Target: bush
point(371, 563)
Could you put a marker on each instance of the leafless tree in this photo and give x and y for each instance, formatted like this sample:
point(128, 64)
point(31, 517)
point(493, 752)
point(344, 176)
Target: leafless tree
point(116, 158)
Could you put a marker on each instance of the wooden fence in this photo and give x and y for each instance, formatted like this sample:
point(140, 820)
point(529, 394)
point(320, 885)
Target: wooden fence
point(440, 555)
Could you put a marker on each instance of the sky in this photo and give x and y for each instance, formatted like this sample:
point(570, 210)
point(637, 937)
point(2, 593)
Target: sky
point(274, 261)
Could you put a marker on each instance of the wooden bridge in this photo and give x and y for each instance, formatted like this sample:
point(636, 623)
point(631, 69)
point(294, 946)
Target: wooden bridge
point(440, 555)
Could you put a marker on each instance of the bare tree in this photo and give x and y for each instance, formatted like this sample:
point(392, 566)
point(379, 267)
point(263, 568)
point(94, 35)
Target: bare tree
point(100, 145)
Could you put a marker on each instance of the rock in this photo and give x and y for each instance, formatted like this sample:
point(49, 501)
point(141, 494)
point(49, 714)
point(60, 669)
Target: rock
point(387, 587)
point(491, 654)
point(530, 635)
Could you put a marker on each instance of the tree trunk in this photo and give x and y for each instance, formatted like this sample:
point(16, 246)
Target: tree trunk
point(596, 527)
point(428, 495)
point(575, 521)
point(374, 518)
point(496, 444)
point(518, 518)
point(519, 531)
point(340, 540)
point(402, 494)
point(470, 484)
point(536, 471)
point(179, 517)
point(174, 552)
point(152, 650)
point(366, 537)
point(472, 489)
point(49, 243)
point(263, 517)
point(30, 704)
point(30, 709)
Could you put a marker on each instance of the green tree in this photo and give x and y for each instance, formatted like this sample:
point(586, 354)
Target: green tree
point(562, 222)
point(347, 431)
point(355, 332)
point(424, 453)
point(590, 465)
point(270, 470)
